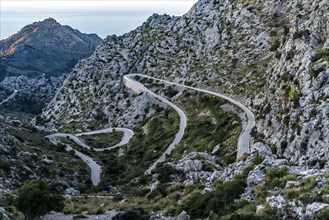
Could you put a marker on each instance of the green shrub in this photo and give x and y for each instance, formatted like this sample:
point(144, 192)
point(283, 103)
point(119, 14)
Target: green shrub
point(100, 211)
point(309, 197)
point(315, 72)
point(278, 55)
point(260, 193)
point(34, 199)
point(276, 44)
point(164, 172)
point(78, 217)
point(220, 201)
point(308, 183)
point(291, 193)
point(290, 92)
point(278, 177)
point(284, 145)
point(160, 191)
point(300, 34)
point(132, 214)
point(290, 54)
point(323, 214)
point(313, 113)
point(320, 55)
point(258, 160)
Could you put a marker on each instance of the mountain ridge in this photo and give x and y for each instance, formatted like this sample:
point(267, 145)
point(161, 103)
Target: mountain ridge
point(36, 60)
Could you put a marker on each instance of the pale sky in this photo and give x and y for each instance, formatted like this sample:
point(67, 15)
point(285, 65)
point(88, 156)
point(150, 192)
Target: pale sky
point(101, 17)
point(177, 5)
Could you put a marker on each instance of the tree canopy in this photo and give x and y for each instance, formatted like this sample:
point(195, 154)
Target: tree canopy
point(34, 199)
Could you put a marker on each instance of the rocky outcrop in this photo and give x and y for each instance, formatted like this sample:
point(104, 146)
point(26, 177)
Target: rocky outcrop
point(186, 49)
point(294, 109)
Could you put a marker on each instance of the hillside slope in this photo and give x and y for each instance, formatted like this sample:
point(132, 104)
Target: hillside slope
point(272, 56)
point(259, 54)
point(25, 154)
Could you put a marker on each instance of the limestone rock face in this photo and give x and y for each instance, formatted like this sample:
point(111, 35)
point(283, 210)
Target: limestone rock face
point(265, 55)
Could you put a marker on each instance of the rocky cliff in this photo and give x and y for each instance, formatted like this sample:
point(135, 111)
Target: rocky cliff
point(271, 55)
point(35, 59)
point(197, 48)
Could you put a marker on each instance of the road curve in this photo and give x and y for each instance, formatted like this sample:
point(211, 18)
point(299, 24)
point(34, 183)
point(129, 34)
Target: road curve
point(94, 167)
point(9, 97)
point(244, 138)
point(182, 120)
point(127, 135)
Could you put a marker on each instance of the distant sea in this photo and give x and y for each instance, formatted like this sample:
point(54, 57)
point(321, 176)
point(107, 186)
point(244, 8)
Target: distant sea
point(103, 20)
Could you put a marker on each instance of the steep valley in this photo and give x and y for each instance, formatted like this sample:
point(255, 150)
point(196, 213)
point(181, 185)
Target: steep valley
point(271, 56)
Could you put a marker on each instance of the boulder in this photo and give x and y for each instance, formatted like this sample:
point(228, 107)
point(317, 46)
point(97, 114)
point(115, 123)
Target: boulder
point(183, 216)
point(71, 192)
point(276, 202)
point(255, 178)
point(315, 207)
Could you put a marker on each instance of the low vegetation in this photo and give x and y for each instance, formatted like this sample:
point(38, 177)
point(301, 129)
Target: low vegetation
point(43, 158)
point(208, 126)
point(215, 203)
point(33, 198)
point(278, 177)
point(320, 63)
point(151, 138)
point(102, 140)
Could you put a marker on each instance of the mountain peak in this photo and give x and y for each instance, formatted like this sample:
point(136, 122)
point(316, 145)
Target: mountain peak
point(47, 37)
point(50, 21)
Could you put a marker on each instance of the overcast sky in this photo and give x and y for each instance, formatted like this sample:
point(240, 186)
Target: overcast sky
point(101, 17)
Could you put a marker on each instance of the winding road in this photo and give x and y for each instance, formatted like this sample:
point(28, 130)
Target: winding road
point(94, 167)
point(243, 142)
point(244, 138)
point(9, 97)
point(182, 117)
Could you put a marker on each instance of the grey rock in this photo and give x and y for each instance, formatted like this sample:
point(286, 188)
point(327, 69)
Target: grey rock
point(261, 149)
point(71, 192)
point(4, 214)
point(314, 208)
point(276, 202)
point(183, 216)
point(255, 178)
point(190, 165)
